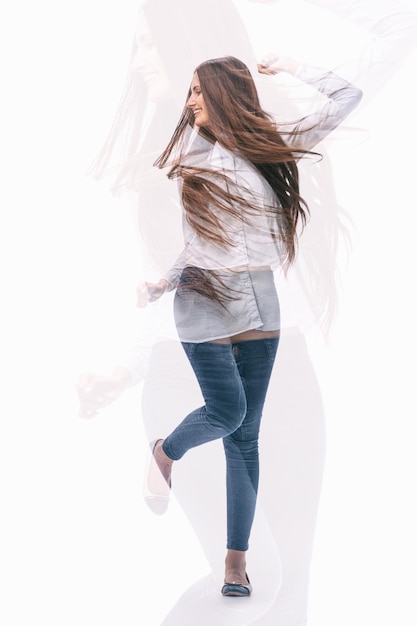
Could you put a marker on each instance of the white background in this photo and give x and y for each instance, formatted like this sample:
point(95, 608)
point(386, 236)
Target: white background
point(76, 547)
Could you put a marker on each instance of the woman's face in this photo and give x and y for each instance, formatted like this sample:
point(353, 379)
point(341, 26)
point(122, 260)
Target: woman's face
point(196, 103)
point(148, 62)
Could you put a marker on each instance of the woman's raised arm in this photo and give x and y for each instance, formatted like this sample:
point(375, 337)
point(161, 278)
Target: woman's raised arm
point(341, 98)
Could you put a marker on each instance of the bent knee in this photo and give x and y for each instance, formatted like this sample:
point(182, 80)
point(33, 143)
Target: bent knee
point(228, 420)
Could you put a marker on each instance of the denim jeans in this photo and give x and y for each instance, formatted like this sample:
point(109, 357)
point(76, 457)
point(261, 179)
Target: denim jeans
point(234, 380)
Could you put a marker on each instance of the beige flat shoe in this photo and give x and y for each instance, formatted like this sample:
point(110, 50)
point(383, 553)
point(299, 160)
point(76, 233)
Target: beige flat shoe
point(156, 490)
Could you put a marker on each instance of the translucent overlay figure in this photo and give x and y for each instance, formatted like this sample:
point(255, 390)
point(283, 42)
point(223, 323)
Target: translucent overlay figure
point(171, 40)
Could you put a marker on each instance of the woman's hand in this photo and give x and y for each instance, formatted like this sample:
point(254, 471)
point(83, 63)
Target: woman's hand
point(274, 63)
point(95, 392)
point(149, 292)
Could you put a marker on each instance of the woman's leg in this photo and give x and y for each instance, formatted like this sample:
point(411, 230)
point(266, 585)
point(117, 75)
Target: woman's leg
point(217, 373)
point(255, 360)
point(233, 379)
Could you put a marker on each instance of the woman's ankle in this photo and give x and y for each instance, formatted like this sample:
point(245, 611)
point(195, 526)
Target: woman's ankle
point(235, 566)
point(163, 461)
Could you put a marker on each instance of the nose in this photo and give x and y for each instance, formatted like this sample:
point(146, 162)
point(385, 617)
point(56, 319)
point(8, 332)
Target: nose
point(191, 101)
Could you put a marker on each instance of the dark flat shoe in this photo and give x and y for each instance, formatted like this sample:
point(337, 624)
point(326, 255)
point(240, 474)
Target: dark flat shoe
point(156, 501)
point(237, 589)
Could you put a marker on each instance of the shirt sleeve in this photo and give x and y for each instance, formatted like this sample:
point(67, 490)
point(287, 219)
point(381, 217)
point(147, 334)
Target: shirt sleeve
point(341, 98)
point(174, 273)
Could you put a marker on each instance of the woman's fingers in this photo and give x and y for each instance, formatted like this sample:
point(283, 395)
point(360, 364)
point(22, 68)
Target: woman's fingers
point(274, 63)
point(156, 290)
point(149, 292)
point(264, 69)
point(269, 64)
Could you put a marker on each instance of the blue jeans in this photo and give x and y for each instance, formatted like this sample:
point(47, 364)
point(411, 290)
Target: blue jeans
point(234, 380)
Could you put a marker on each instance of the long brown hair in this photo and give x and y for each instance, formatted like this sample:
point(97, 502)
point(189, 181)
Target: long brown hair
point(240, 125)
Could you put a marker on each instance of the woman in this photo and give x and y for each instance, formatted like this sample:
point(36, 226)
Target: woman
point(242, 213)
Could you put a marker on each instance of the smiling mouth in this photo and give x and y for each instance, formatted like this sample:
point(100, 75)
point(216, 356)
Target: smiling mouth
point(196, 112)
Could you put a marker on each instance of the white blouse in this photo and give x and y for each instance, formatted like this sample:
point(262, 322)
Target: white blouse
point(251, 242)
